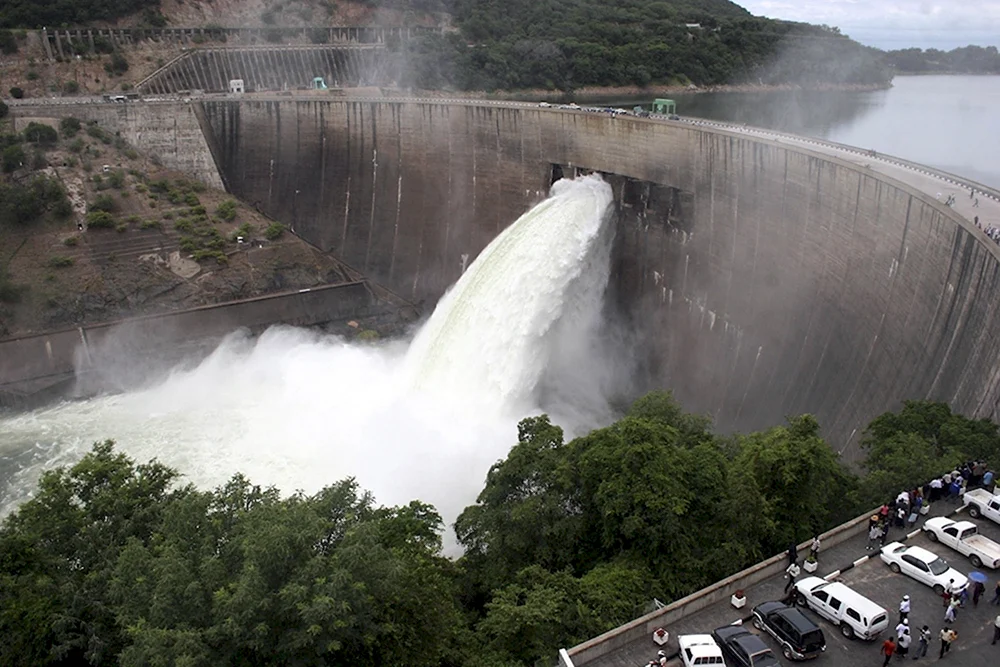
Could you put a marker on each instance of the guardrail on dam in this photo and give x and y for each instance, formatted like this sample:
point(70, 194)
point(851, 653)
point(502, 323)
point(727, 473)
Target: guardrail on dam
point(760, 277)
point(766, 279)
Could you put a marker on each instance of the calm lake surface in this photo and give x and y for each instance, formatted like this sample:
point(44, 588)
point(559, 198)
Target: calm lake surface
point(948, 122)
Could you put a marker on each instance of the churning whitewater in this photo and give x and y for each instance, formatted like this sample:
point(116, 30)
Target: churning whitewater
point(300, 410)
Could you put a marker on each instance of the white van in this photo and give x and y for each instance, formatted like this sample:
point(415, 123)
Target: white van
point(856, 615)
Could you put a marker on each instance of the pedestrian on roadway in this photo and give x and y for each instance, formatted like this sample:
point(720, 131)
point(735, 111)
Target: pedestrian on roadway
point(977, 592)
point(951, 613)
point(875, 532)
point(792, 571)
point(888, 648)
point(947, 637)
point(996, 630)
point(904, 608)
point(925, 639)
point(903, 644)
point(996, 594)
point(902, 628)
point(793, 554)
point(814, 548)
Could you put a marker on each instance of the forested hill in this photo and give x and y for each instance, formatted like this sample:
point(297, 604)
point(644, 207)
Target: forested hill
point(567, 44)
point(544, 44)
point(963, 60)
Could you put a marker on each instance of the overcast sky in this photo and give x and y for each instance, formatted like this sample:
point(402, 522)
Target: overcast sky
point(895, 24)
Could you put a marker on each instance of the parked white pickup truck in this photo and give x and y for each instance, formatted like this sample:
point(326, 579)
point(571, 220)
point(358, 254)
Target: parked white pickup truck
point(964, 537)
point(981, 502)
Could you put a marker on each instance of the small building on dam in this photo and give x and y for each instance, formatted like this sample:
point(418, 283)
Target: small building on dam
point(756, 277)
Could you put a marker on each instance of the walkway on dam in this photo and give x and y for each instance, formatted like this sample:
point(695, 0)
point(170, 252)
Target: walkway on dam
point(871, 578)
point(924, 179)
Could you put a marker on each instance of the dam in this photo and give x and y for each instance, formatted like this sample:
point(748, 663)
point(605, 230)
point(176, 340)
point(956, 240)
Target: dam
point(756, 276)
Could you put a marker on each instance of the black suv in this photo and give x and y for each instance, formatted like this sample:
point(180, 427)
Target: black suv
point(799, 637)
point(742, 648)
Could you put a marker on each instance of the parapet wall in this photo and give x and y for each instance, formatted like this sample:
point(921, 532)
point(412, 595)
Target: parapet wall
point(794, 282)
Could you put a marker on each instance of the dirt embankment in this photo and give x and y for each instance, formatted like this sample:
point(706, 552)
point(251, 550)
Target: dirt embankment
point(135, 239)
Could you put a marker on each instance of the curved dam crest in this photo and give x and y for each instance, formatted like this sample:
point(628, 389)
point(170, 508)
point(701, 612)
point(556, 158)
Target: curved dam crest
point(754, 278)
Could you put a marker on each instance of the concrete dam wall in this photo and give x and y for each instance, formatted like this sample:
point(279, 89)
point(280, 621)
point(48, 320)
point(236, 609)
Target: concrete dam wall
point(758, 278)
point(269, 68)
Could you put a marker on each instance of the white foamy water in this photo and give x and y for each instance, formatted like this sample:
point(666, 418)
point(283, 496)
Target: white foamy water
point(300, 410)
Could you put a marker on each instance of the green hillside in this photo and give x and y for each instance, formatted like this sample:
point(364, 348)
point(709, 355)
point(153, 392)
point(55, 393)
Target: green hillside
point(566, 44)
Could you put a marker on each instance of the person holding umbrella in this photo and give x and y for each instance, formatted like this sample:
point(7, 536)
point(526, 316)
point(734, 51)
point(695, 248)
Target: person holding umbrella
point(978, 580)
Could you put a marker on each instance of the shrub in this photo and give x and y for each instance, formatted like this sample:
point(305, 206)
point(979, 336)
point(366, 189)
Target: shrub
point(12, 158)
point(217, 255)
point(116, 179)
point(150, 224)
point(32, 75)
point(103, 203)
point(226, 210)
point(274, 231)
point(60, 262)
point(100, 220)
point(70, 126)
point(245, 230)
point(71, 240)
point(188, 244)
point(184, 225)
point(71, 88)
point(97, 133)
point(38, 161)
point(117, 66)
point(8, 44)
point(191, 199)
point(198, 211)
point(4, 109)
point(121, 227)
point(63, 208)
point(77, 145)
point(16, 93)
point(41, 134)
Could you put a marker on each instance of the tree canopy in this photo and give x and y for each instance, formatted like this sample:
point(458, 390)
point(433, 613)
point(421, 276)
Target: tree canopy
point(963, 60)
point(117, 562)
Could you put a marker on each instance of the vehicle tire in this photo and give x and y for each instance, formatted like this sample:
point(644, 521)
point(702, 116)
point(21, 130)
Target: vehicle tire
point(847, 630)
point(974, 511)
point(938, 589)
point(894, 567)
point(931, 535)
point(787, 652)
point(801, 599)
point(757, 624)
point(977, 562)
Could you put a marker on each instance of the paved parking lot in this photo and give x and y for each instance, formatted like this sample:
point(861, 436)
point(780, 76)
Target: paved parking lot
point(873, 579)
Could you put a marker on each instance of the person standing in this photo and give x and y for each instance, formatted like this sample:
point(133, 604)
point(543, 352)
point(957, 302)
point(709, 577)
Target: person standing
point(977, 592)
point(947, 637)
point(814, 548)
point(793, 554)
point(904, 608)
point(792, 571)
point(888, 648)
point(902, 628)
point(996, 630)
point(875, 532)
point(996, 594)
point(925, 639)
point(903, 644)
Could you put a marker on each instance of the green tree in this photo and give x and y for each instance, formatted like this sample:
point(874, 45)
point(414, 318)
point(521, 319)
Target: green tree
point(69, 127)
point(4, 110)
point(41, 134)
point(13, 157)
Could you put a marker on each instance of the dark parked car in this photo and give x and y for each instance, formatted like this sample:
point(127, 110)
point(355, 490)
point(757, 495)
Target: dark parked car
point(799, 637)
point(742, 648)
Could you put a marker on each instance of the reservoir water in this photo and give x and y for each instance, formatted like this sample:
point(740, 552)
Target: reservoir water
point(948, 122)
